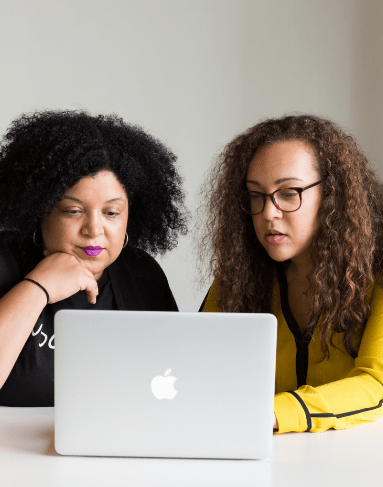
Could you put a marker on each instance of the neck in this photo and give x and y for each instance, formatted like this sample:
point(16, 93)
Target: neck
point(299, 270)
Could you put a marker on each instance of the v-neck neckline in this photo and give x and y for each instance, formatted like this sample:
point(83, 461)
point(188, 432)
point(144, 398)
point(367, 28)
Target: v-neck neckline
point(302, 340)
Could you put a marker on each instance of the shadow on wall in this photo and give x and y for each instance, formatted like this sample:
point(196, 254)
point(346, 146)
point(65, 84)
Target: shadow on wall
point(368, 80)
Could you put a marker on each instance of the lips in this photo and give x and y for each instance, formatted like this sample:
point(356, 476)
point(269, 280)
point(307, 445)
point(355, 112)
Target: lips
point(275, 237)
point(92, 251)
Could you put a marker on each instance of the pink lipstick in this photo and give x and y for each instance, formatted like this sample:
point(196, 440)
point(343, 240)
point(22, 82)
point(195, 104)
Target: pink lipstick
point(275, 237)
point(92, 251)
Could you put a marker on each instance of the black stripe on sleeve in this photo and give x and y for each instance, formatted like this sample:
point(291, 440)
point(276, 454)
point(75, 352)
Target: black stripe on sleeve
point(308, 417)
point(323, 415)
point(344, 415)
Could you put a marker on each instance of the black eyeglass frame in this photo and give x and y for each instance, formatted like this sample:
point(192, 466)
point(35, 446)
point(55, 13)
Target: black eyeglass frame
point(265, 195)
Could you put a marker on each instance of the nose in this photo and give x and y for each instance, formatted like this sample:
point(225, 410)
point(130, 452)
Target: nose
point(270, 211)
point(93, 226)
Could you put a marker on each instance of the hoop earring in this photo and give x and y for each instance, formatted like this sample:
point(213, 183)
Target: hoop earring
point(125, 240)
point(34, 239)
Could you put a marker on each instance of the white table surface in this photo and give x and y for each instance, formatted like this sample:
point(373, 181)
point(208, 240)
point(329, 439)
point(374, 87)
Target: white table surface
point(349, 458)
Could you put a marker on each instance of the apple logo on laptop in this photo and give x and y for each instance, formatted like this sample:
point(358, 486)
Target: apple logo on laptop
point(163, 386)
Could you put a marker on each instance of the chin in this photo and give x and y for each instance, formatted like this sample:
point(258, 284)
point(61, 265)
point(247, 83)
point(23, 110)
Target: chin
point(279, 256)
point(279, 259)
point(98, 274)
point(94, 266)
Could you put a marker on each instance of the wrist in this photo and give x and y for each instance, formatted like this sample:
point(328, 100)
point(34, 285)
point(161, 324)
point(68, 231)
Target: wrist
point(275, 423)
point(36, 283)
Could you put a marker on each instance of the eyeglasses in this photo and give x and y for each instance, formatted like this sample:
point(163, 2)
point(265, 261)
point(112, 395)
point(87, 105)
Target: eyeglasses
point(285, 199)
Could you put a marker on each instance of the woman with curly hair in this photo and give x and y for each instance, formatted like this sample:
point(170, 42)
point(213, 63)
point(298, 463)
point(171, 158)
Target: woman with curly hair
point(295, 228)
point(82, 200)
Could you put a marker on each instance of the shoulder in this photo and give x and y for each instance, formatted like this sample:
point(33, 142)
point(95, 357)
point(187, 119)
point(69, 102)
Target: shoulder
point(141, 264)
point(371, 344)
point(10, 273)
point(148, 279)
point(375, 297)
point(210, 302)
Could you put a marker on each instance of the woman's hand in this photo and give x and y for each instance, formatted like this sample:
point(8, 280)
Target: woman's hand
point(63, 275)
point(275, 423)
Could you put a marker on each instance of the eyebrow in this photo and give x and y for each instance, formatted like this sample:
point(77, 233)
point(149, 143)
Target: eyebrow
point(278, 181)
point(66, 197)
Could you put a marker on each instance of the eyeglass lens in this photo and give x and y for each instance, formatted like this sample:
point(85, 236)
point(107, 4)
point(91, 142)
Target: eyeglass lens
point(286, 199)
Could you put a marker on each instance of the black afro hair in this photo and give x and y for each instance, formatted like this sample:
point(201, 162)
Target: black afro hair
point(44, 153)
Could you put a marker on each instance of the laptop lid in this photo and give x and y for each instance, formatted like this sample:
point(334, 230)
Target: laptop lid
point(164, 384)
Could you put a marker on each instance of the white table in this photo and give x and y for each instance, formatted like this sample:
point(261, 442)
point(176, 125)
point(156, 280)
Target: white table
point(349, 458)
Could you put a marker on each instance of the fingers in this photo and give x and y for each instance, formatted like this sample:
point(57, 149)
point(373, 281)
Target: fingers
point(47, 253)
point(92, 292)
point(91, 286)
point(83, 263)
point(87, 272)
point(73, 275)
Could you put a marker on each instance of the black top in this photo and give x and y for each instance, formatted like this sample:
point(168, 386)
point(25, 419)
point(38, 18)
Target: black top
point(302, 340)
point(135, 281)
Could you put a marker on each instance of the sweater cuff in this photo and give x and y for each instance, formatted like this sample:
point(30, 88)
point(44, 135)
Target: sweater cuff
point(289, 412)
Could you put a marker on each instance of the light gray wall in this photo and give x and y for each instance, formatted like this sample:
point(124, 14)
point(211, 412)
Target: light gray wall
point(317, 56)
point(196, 72)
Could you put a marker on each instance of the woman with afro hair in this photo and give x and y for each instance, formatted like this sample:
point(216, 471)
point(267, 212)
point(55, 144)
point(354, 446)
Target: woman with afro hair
point(295, 228)
point(82, 200)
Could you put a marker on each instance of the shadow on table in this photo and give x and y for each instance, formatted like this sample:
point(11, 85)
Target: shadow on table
point(25, 438)
point(49, 435)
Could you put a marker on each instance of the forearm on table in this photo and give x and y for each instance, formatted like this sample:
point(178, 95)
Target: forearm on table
point(341, 404)
point(19, 311)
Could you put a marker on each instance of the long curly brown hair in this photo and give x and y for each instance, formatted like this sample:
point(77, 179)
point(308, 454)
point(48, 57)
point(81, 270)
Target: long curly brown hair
point(347, 250)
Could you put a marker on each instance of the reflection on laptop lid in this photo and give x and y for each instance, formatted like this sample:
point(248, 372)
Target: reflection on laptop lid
point(163, 384)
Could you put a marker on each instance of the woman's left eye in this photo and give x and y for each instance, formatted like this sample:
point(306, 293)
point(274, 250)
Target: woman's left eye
point(109, 214)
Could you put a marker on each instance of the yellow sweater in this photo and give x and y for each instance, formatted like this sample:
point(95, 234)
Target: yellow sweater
point(341, 392)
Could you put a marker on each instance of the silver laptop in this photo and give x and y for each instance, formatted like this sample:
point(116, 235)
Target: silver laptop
point(163, 384)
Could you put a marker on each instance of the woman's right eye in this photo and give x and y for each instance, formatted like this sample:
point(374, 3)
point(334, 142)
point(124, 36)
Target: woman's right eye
point(256, 196)
point(72, 212)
